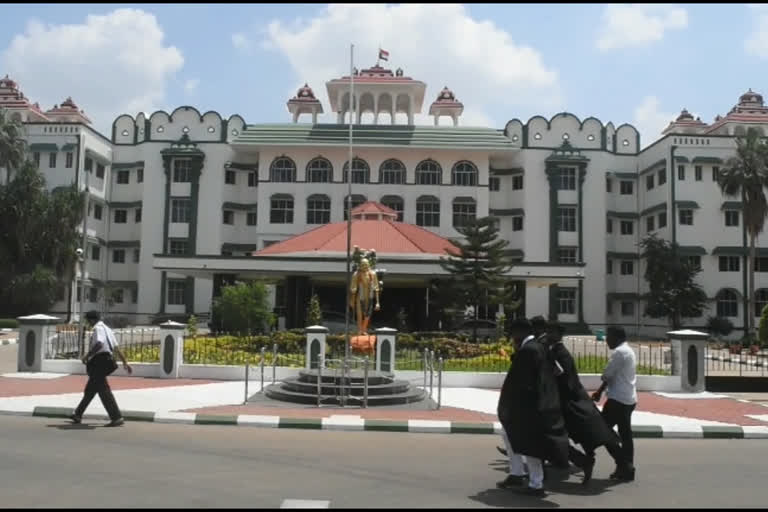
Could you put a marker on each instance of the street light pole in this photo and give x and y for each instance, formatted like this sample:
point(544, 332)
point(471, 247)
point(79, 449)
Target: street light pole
point(349, 196)
point(82, 258)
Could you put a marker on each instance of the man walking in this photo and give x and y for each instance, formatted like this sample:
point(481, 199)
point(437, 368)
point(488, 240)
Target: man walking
point(520, 331)
point(529, 409)
point(583, 421)
point(100, 363)
point(619, 382)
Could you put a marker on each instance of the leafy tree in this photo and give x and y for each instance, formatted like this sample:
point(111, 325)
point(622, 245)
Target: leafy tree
point(12, 145)
point(38, 240)
point(314, 313)
point(244, 307)
point(674, 293)
point(746, 175)
point(478, 268)
point(763, 331)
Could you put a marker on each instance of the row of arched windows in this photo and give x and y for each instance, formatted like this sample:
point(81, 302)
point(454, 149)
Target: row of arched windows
point(319, 209)
point(728, 302)
point(392, 172)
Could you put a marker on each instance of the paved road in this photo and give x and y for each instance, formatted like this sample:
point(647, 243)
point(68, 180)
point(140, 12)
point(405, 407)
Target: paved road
point(44, 463)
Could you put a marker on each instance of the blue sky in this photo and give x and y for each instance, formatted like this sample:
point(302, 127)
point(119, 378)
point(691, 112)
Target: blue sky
point(623, 63)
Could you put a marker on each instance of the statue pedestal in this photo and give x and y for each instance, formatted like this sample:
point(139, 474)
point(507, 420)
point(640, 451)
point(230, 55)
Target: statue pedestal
point(363, 344)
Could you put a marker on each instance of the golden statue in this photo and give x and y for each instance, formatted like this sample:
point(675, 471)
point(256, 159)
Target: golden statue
point(363, 291)
point(364, 299)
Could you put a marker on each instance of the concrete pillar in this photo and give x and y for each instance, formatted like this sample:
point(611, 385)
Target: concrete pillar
point(34, 332)
point(296, 116)
point(340, 117)
point(314, 116)
point(436, 119)
point(171, 349)
point(316, 335)
point(688, 348)
point(455, 120)
point(385, 349)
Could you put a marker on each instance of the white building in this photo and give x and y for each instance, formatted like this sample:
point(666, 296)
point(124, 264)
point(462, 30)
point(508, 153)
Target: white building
point(179, 200)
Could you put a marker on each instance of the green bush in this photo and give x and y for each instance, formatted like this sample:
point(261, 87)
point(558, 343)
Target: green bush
point(763, 331)
point(9, 323)
point(719, 326)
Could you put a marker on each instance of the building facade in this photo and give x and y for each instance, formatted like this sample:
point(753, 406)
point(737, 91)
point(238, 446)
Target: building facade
point(572, 196)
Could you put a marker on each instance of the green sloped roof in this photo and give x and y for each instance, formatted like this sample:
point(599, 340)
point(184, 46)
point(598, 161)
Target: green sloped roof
point(374, 136)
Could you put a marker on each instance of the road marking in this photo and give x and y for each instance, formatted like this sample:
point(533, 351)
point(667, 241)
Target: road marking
point(290, 503)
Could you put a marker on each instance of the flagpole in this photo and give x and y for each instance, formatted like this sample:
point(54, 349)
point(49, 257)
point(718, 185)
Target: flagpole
point(349, 194)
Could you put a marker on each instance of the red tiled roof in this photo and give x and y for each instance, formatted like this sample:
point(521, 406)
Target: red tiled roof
point(372, 207)
point(385, 236)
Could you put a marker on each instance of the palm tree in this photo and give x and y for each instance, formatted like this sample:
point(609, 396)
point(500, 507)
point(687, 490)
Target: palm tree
point(12, 144)
point(746, 175)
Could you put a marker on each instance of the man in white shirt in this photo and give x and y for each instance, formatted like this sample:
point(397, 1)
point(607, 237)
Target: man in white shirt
point(620, 383)
point(99, 364)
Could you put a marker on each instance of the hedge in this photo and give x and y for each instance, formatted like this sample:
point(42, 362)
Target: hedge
point(9, 323)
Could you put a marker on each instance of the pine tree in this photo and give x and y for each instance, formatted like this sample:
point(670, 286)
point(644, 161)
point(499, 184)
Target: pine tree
point(314, 313)
point(479, 267)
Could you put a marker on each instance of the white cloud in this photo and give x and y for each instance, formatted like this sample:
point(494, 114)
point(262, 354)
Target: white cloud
point(650, 121)
point(112, 64)
point(757, 42)
point(430, 44)
point(631, 25)
point(190, 86)
point(241, 41)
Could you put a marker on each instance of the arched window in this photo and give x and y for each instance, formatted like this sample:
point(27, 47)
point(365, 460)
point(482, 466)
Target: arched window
point(361, 172)
point(727, 303)
point(357, 200)
point(464, 211)
point(281, 209)
point(428, 212)
point(282, 170)
point(761, 300)
point(464, 174)
point(319, 170)
point(318, 209)
point(396, 203)
point(429, 172)
point(392, 172)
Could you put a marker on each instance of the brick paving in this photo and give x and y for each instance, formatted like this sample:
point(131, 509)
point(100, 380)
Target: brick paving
point(10, 386)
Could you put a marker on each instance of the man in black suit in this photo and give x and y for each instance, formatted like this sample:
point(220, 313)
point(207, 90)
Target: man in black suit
point(529, 409)
point(583, 420)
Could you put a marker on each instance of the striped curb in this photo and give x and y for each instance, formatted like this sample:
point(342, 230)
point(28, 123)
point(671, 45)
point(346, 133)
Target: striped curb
point(12, 341)
point(355, 423)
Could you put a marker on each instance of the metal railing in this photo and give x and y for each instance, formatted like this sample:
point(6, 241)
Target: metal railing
point(591, 356)
point(138, 344)
point(728, 362)
point(342, 373)
point(430, 369)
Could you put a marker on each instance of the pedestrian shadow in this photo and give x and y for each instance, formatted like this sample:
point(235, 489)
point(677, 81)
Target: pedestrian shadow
point(595, 487)
point(73, 426)
point(505, 498)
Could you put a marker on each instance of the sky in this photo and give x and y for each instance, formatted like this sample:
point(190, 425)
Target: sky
point(629, 63)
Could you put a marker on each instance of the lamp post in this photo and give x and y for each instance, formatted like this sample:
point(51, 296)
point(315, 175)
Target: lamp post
point(81, 264)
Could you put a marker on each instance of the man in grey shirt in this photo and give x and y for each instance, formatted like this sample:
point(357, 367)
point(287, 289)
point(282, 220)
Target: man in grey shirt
point(620, 384)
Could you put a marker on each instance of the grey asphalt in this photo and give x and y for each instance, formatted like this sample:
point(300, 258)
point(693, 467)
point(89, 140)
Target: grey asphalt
point(48, 463)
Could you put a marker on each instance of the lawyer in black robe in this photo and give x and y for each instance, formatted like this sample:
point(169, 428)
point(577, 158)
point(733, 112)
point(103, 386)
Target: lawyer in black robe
point(583, 421)
point(529, 406)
